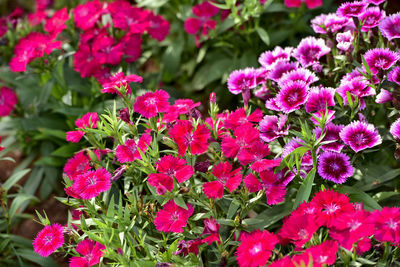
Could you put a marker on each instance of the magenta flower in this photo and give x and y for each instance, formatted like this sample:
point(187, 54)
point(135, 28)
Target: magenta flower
point(254, 154)
point(56, 23)
point(242, 81)
point(239, 118)
point(310, 50)
point(244, 137)
point(345, 40)
point(371, 17)
point(204, 12)
point(74, 136)
point(281, 68)
point(129, 151)
point(356, 87)
point(120, 80)
point(169, 167)
point(328, 23)
point(159, 27)
point(380, 59)
point(92, 183)
point(331, 134)
point(299, 74)
point(376, 2)
point(275, 191)
point(292, 95)
point(319, 98)
point(395, 129)
point(298, 229)
point(360, 135)
point(78, 164)
point(269, 59)
point(394, 75)
point(334, 167)
point(150, 104)
point(272, 127)
point(383, 97)
point(181, 106)
point(352, 9)
point(390, 26)
point(87, 14)
point(8, 100)
point(48, 240)
point(184, 136)
point(211, 227)
point(387, 223)
point(89, 120)
point(309, 3)
point(172, 218)
point(91, 252)
point(226, 177)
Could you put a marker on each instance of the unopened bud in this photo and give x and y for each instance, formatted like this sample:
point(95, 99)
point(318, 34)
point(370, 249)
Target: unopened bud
point(213, 98)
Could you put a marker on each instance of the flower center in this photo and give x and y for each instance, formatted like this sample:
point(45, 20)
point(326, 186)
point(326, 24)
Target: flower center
point(391, 224)
point(174, 216)
point(331, 208)
point(188, 138)
point(2, 100)
point(151, 101)
point(381, 62)
point(303, 234)
point(92, 180)
point(48, 238)
point(354, 225)
point(255, 249)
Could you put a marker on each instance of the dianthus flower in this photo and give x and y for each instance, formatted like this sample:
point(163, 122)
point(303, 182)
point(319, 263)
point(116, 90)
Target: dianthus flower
point(298, 229)
point(331, 134)
point(8, 100)
point(129, 151)
point(244, 137)
point(328, 23)
point(92, 183)
point(172, 218)
point(394, 75)
point(345, 40)
point(89, 120)
point(91, 252)
point(281, 68)
point(158, 28)
point(390, 26)
point(184, 136)
point(352, 9)
point(226, 177)
point(188, 246)
point(211, 228)
point(275, 191)
point(204, 12)
point(309, 3)
point(78, 164)
point(360, 135)
point(376, 2)
point(294, 143)
point(169, 167)
point(181, 106)
point(86, 15)
point(383, 97)
point(292, 95)
point(310, 50)
point(269, 59)
point(255, 248)
point(273, 127)
point(254, 154)
point(319, 98)
point(74, 136)
point(371, 17)
point(321, 255)
point(380, 59)
point(120, 80)
point(335, 167)
point(150, 104)
point(299, 74)
point(387, 224)
point(395, 129)
point(56, 23)
point(48, 240)
point(239, 118)
point(242, 81)
point(106, 50)
point(132, 47)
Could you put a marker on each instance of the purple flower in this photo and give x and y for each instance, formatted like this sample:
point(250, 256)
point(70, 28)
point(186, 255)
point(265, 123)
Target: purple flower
point(292, 145)
point(383, 97)
point(310, 50)
point(351, 9)
point(242, 81)
point(292, 95)
point(380, 59)
point(271, 104)
point(328, 23)
point(331, 134)
point(394, 75)
point(355, 87)
point(390, 26)
point(269, 59)
point(375, 2)
point(395, 129)
point(335, 167)
point(345, 40)
point(371, 18)
point(360, 135)
point(299, 74)
point(272, 127)
point(319, 98)
point(281, 68)
point(320, 114)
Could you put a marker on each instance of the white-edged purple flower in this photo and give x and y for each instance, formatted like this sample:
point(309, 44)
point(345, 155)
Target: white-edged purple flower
point(263, 93)
point(383, 97)
point(292, 145)
point(281, 68)
point(344, 40)
point(320, 114)
point(273, 127)
point(394, 75)
point(390, 26)
point(356, 87)
point(299, 74)
point(271, 105)
point(360, 135)
point(375, 2)
point(335, 167)
point(371, 17)
point(310, 50)
point(292, 95)
point(320, 98)
point(380, 59)
point(355, 74)
point(351, 9)
point(331, 134)
point(242, 81)
point(395, 129)
point(328, 23)
point(269, 59)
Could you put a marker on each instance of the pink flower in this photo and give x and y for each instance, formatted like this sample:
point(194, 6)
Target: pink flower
point(8, 100)
point(345, 40)
point(204, 12)
point(158, 28)
point(376, 2)
point(239, 118)
point(48, 240)
point(225, 177)
point(150, 104)
point(75, 136)
point(91, 252)
point(244, 137)
point(172, 218)
point(360, 135)
point(334, 167)
point(181, 106)
point(387, 223)
point(275, 191)
point(395, 129)
point(310, 50)
point(292, 95)
point(383, 97)
point(92, 183)
point(184, 136)
point(89, 120)
point(298, 229)
point(56, 23)
point(328, 23)
point(321, 255)
point(331, 134)
point(129, 151)
point(211, 228)
point(272, 127)
point(132, 44)
point(86, 15)
point(242, 81)
point(255, 248)
point(394, 75)
point(380, 59)
point(78, 164)
point(309, 3)
point(119, 80)
point(281, 68)
point(169, 167)
point(269, 59)
point(319, 98)
point(352, 9)
point(299, 74)
point(371, 17)
point(390, 26)
point(255, 154)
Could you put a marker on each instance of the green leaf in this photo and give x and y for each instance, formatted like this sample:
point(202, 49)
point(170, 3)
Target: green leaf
point(305, 189)
point(18, 201)
point(30, 255)
point(233, 207)
point(356, 195)
point(263, 35)
point(366, 66)
point(15, 178)
point(66, 151)
point(180, 202)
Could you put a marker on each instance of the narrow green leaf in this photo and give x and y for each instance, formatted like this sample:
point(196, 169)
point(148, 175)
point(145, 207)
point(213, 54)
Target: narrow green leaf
point(305, 189)
point(15, 178)
point(180, 202)
point(263, 35)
